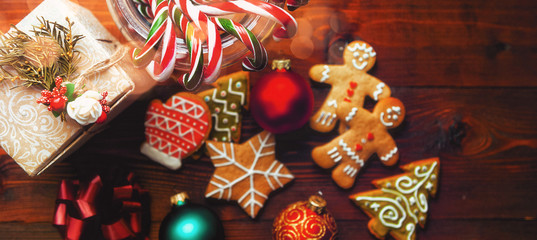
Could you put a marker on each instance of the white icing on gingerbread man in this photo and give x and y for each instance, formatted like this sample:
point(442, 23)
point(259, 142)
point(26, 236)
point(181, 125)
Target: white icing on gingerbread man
point(350, 83)
point(367, 135)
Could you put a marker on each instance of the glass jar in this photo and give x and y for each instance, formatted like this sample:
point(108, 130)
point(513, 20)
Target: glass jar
point(135, 28)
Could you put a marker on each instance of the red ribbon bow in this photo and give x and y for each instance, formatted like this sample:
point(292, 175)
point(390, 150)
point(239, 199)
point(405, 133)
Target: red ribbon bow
point(84, 209)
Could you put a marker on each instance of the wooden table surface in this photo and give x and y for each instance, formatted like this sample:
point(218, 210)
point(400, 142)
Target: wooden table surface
point(465, 70)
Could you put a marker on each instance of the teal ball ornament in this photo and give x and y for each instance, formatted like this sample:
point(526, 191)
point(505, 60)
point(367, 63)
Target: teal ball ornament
point(190, 221)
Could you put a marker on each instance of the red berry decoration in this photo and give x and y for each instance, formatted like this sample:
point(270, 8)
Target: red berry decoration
point(58, 103)
point(102, 118)
point(305, 220)
point(281, 101)
point(56, 100)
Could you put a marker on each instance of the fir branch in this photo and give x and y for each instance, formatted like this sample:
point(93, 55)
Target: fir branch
point(20, 54)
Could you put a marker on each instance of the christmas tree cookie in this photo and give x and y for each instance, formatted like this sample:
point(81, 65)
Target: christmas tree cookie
point(247, 172)
point(225, 102)
point(400, 203)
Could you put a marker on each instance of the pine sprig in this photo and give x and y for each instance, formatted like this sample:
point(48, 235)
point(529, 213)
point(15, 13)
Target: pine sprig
point(20, 60)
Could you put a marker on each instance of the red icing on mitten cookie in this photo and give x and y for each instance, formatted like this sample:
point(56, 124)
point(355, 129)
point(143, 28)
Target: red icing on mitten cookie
point(366, 136)
point(176, 129)
point(350, 84)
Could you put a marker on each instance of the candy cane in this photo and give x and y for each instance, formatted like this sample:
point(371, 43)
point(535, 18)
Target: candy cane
point(194, 40)
point(259, 61)
point(143, 8)
point(163, 70)
point(194, 43)
point(214, 43)
point(275, 13)
point(142, 57)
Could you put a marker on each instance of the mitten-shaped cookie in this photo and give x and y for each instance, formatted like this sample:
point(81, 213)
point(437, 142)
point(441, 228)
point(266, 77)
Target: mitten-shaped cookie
point(367, 135)
point(350, 84)
point(176, 129)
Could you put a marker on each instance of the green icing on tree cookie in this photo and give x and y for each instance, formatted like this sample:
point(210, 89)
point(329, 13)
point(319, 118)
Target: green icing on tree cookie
point(225, 102)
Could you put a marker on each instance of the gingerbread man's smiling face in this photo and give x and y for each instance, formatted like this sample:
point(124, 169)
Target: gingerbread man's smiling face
point(360, 56)
point(390, 111)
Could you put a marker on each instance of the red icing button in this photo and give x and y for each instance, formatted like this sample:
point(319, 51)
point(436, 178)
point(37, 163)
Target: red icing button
point(358, 147)
point(350, 92)
point(347, 100)
point(353, 85)
point(370, 136)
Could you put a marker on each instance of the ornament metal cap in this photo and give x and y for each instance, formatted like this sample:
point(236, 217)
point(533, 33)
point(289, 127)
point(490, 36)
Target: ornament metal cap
point(281, 64)
point(179, 197)
point(316, 203)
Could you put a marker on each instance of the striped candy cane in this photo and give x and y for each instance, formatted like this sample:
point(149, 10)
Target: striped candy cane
point(214, 43)
point(259, 61)
point(194, 40)
point(144, 8)
point(270, 11)
point(142, 57)
point(163, 70)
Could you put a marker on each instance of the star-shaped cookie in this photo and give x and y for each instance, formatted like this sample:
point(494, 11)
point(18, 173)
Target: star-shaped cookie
point(247, 172)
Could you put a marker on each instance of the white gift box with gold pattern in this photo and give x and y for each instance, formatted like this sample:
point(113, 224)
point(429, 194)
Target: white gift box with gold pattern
point(30, 133)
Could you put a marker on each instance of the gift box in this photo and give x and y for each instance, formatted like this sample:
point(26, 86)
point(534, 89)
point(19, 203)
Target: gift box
point(31, 134)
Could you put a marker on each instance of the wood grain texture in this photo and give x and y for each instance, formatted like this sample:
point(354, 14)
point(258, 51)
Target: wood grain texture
point(465, 71)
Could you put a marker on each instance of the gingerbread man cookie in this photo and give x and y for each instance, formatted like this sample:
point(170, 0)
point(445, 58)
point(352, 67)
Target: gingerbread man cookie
point(368, 134)
point(350, 83)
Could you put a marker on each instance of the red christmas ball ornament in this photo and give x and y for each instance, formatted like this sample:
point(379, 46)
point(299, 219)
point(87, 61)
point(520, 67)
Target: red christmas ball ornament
point(305, 220)
point(281, 101)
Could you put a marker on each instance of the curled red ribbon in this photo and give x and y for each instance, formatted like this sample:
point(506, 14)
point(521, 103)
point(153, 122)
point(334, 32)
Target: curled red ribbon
point(93, 210)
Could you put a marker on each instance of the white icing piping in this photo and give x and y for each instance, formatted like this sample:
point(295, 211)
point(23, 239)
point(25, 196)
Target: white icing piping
point(325, 73)
point(331, 103)
point(351, 115)
point(334, 154)
point(351, 153)
point(387, 124)
point(362, 47)
point(378, 91)
point(382, 215)
point(389, 155)
point(359, 67)
point(249, 172)
point(326, 116)
point(350, 171)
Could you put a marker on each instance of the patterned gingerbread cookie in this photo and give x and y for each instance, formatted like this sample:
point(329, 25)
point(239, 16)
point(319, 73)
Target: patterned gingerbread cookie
point(225, 102)
point(176, 129)
point(247, 172)
point(368, 134)
point(350, 83)
point(400, 203)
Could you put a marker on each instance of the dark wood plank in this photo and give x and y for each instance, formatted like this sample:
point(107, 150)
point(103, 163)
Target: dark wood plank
point(487, 175)
point(427, 43)
point(464, 69)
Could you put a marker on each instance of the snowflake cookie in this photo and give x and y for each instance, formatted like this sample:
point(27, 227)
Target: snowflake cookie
point(350, 83)
point(176, 129)
point(400, 203)
point(247, 172)
point(367, 135)
point(225, 102)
